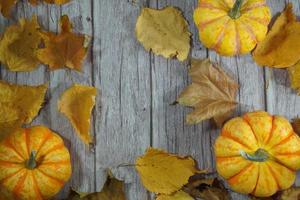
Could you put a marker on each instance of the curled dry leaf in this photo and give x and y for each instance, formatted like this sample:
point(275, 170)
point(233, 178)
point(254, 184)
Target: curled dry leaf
point(212, 93)
point(164, 173)
point(281, 47)
point(180, 195)
point(58, 2)
point(76, 103)
point(5, 6)
point(112, 190)
point(291, 194)
point(19, 45)
point(165, 32)
point(19, 105)
point(294, 73)
point(296, 125)
point(65, 49)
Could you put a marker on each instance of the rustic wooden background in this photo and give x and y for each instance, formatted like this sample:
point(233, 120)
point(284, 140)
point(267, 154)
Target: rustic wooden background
point(137, 89)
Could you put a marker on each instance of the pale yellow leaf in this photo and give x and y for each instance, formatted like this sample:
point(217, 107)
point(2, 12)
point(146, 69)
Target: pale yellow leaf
point(165, 32)
point(76, 103)
point(211, 94)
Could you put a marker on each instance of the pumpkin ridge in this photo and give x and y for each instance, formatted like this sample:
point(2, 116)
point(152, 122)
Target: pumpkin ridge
point(237, 39)
point(245, 119)
point(36, 187)
point(285, 153)
point(231, 181)
point(209, 6)
point(263, 22)
point(47, 136)
point(271, 132)
point(9, 145)
point(247, 8)
point(249, 30)
point(203, 25)
point(10, 175)
point(62, 162)
point(20, 183)
point(237, 140)
point(56, 147)
point(27, 140)
point(216, 46)
point(256, 184)
point(9, 163)
point(51, 177)
point(284, 140)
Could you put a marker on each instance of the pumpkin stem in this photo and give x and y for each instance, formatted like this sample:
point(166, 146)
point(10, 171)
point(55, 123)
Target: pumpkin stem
point(235, 11)
point(260, 155)
point(31, 162)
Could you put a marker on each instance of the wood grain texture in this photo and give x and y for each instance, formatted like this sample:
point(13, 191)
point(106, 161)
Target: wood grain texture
point(136, 90)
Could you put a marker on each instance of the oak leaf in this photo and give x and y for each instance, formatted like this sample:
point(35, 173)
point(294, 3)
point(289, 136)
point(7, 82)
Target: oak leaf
point(77, 103)
point(165, 32)
point(281, 47)
point(180, 195)
point(212, 93)
point(164, 173)
point(294, 74)
point(58, 2)
point(112, 190)
point(65, 49)
point(19, 45)
point(5, 6)
point(19, 105)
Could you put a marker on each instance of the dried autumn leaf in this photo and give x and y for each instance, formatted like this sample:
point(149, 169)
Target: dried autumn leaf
point(164, 173)
point(294, 73)
point(180, 195)
point(291, 194)
point(19, 105)
point(19, 44)
point(58, 2)
point(65, 49)
point(296, 125)
point(77, 103)
point(212, 93)
point(112, 190)
point(5, 6)
point(165, 32)
point(281, 47)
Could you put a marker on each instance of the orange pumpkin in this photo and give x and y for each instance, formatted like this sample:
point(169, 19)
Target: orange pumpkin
point(258, 154)
point(232, 27)
point(34, 164)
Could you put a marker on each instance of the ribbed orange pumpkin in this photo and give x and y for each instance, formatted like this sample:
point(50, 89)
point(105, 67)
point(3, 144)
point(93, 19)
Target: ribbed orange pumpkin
point(232, 27)
point(34, 164)
point(258, 154)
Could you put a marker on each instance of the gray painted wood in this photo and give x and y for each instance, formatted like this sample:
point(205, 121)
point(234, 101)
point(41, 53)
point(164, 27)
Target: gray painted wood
point(136, 90)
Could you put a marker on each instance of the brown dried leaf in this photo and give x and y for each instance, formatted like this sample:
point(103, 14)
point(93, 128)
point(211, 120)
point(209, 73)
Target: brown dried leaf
point(296, 125)
point(5, 6)
point(281, 47)
point(180, 195)
point(294, 73)
point(212, 93)
point(165, 32)
point(291, 194)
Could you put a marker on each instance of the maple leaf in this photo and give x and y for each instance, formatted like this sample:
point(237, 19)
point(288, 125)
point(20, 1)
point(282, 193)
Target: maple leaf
point(5, 6)
point(19, 105)
point(58, 2)
point(65, 49)
point(165, 32)
point(164, 173)
point(19, 44)
point(212, 93)
point(281, 47)
point(180, 195)
point(76, 103)
point(112, 190)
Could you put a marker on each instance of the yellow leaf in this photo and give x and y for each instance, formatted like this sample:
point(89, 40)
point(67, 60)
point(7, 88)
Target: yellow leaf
point(58, 2)
point(294, 73)
point(5, 6)
point(77, 103)
point(165, 32)
point(212, 93)
point(112, 190)
point(180, 195)
point(19, 105)
point(164, 173)
point(291, 194)
point(281, 47)
point(19, 44)
point(65, 49)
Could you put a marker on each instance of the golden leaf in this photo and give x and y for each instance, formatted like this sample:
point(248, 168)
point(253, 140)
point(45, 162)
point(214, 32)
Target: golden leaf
point(180, 195)
point(165, 32)
point(5, 6)
point(19, 105)
point(77, 103)
point(112, 190)
point(294, 73)
point(281, 47)
point(58, 2)
point(291, 194)
point(19, 44)
point(65, 49)
point(164, 173)
point(212, 93)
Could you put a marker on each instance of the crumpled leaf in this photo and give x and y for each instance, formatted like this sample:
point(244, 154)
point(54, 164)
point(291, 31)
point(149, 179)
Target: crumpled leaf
point(212, 93)
point(5, 6)
point(77, 103)
point(296, 125)
point(180, 195)
point(207, 189)
point(19, 105)
point(65, 49)
point(19, 44)
point(281, 47)
point(294, 73)
point(112, 190)
point(291, 194)
point(165, 32)
point(164, 173)
point(58, 2)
